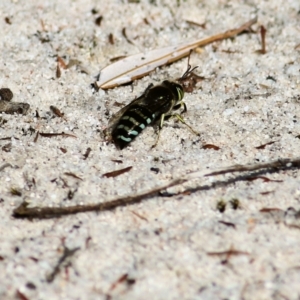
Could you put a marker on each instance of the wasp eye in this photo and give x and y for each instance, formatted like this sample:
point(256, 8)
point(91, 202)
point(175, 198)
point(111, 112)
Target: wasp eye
point(180, 92)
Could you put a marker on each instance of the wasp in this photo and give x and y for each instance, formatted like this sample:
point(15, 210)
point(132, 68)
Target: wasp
point(156, 103)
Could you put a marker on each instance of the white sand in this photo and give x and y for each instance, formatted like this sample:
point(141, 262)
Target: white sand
point(163, 244)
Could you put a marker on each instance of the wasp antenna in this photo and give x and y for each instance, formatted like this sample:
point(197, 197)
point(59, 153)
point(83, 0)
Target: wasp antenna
point(194, 69)
point(188, 72)
point(189, 69)
point(189, 57)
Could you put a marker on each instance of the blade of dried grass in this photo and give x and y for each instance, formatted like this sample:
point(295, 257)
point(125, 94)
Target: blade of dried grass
point(141, 64)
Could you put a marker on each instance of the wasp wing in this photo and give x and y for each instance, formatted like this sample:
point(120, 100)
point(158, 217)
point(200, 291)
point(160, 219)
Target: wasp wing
point(116, 117)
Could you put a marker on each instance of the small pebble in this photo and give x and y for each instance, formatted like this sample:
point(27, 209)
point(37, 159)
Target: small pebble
point(6, 94)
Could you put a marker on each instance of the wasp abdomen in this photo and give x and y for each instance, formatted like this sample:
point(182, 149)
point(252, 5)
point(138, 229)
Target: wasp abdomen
point(131, 124)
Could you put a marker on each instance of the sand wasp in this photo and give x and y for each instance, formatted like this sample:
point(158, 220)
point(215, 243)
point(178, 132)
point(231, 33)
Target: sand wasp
point(158, 102)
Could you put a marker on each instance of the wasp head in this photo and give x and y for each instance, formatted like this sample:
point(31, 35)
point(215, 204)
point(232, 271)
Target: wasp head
point(189, 79)
point(176, 89)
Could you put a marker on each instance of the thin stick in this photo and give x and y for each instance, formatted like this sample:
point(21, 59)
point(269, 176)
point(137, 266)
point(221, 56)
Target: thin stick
point(277, 164)
point(227, 34)
point(66, 255)
point(23, 211)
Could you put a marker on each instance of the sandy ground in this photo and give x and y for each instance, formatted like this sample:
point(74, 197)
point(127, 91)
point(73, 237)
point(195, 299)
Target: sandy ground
point(173, 245)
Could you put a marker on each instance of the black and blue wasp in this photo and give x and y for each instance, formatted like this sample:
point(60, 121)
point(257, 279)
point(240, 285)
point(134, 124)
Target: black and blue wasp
point(156, 103)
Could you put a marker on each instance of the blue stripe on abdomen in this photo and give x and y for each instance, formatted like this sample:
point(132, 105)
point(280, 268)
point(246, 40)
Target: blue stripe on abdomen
point(131, 124)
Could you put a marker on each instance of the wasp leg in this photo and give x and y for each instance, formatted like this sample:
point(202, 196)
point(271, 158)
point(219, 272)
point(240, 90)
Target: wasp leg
point(161, 123)
point(180, 105)
point(179, 117)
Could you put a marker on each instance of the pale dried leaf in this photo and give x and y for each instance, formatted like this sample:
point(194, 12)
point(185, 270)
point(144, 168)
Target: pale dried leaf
point(141, 64)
